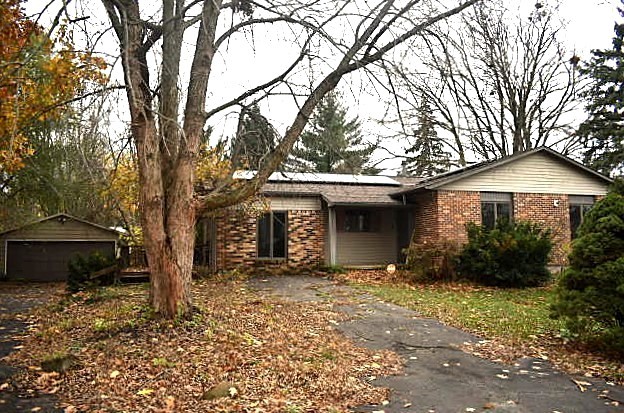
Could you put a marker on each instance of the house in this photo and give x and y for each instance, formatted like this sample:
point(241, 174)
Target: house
point(41, 250)
point(362, 221)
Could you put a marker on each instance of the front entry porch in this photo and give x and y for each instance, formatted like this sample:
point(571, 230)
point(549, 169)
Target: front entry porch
point(367, 237)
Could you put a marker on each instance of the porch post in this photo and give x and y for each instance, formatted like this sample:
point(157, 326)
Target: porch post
point(332, 235)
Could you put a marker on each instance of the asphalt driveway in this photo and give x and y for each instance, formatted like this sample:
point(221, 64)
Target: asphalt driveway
point(15, 302)
point(438, 376)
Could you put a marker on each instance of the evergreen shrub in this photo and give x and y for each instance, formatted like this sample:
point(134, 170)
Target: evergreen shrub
point(512, 254)
point(590, 293)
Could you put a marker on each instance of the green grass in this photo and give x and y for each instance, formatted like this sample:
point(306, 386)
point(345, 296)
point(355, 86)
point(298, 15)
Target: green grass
point(508, 314)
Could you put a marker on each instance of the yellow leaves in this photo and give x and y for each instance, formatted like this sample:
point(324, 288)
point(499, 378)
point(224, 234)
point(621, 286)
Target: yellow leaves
point(37, 81)
point(145, 392)
point(211, 166)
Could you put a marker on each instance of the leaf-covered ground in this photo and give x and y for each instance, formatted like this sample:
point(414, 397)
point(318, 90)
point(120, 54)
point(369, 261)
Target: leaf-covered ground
point(262, 355)
point(514, 323)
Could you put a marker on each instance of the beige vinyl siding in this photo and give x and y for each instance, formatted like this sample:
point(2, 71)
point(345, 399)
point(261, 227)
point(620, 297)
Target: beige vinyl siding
point(295, 203)
point(53, 230)
point(369, 248)
point(537, 173)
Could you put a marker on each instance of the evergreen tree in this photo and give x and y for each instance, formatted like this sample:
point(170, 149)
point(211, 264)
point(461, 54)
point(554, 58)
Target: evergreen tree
point(332, 143)
point(255, 138)
point(426, 157)
point(590, 295)
point(603, 131)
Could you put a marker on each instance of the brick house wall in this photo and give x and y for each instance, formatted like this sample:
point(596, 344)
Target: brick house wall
point(455, 210)
point(425, 218)
point(236, 241)
point(541, 209)
point(442, 215)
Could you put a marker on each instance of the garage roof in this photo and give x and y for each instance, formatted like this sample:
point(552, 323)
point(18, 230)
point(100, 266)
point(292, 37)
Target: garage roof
point(61, 217)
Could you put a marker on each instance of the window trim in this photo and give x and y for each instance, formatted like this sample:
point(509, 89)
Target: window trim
point(271, 236)
point(580, 201)
point(495, 199)
point(372, 215)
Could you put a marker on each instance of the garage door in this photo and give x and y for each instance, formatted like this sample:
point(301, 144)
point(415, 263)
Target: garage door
point(47, 261)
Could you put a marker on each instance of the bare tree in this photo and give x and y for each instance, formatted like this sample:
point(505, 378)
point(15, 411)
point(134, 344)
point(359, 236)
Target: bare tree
point(500, 83)
point(168, 120)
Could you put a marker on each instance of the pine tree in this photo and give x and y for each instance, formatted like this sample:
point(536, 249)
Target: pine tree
point(256, 138)
point(426, 157)
point(332, 143)
point(603, 131)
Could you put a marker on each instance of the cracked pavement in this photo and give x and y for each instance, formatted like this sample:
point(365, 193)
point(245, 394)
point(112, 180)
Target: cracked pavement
point(438, 376)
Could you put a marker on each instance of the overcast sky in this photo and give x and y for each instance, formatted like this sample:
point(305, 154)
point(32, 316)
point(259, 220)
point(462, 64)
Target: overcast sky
point(589, 25)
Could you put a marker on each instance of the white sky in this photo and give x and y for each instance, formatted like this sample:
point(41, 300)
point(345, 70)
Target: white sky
point(589, 25)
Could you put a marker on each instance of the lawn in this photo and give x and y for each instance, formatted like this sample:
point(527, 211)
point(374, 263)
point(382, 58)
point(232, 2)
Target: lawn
point(518, 316)
point(238, 352)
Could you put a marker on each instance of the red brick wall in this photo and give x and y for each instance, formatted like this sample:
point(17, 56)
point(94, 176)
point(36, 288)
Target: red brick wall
point(306, 237)
point(541, 209)
point(425, 219)
point(236, 240)
point(455, 210)
point(443, 215)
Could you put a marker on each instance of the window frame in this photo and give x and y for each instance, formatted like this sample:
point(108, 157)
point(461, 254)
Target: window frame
point(585, 204)
point(370, 224)
point(271, 255)
point(496, 199)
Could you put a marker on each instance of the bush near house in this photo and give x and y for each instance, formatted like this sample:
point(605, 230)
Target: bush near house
point(513, 254)
point(432, 262)
point(81, 269)
point(590, 295)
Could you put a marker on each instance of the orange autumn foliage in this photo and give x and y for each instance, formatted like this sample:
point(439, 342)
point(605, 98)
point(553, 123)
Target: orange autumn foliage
point(38, 76)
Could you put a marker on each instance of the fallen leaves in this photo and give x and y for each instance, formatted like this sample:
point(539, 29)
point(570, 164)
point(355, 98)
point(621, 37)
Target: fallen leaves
point(273, 356)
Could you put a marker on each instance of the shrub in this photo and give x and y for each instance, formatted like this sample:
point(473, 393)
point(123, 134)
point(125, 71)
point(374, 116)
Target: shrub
point(432, 262)
point(81, 268)
point(590, 293)
point(512, 254)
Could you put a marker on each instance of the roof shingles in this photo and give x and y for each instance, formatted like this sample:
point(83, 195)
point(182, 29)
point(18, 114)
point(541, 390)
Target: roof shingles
point(336, 194)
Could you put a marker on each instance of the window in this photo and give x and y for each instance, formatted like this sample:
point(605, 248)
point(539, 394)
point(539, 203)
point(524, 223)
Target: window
point(495, 206)
point(272, 237)
point(359, 221)
point(579, 205)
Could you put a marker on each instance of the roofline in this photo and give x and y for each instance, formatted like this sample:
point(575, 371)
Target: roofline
point(60, 214)
point(435, 183)
point(292, 194)
point(367, 204)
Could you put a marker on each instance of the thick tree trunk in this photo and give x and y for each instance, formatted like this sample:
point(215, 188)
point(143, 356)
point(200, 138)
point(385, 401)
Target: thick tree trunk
point(167, 153)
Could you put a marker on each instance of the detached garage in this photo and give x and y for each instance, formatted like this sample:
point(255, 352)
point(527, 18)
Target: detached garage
point(41, 250)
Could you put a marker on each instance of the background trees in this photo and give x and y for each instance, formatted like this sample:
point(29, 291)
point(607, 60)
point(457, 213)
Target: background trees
point(49, 161)
point(332, 143)
point(428, 155)
point(499, 82)
point(603, 131)
point(37, 76)
point(255, 139)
